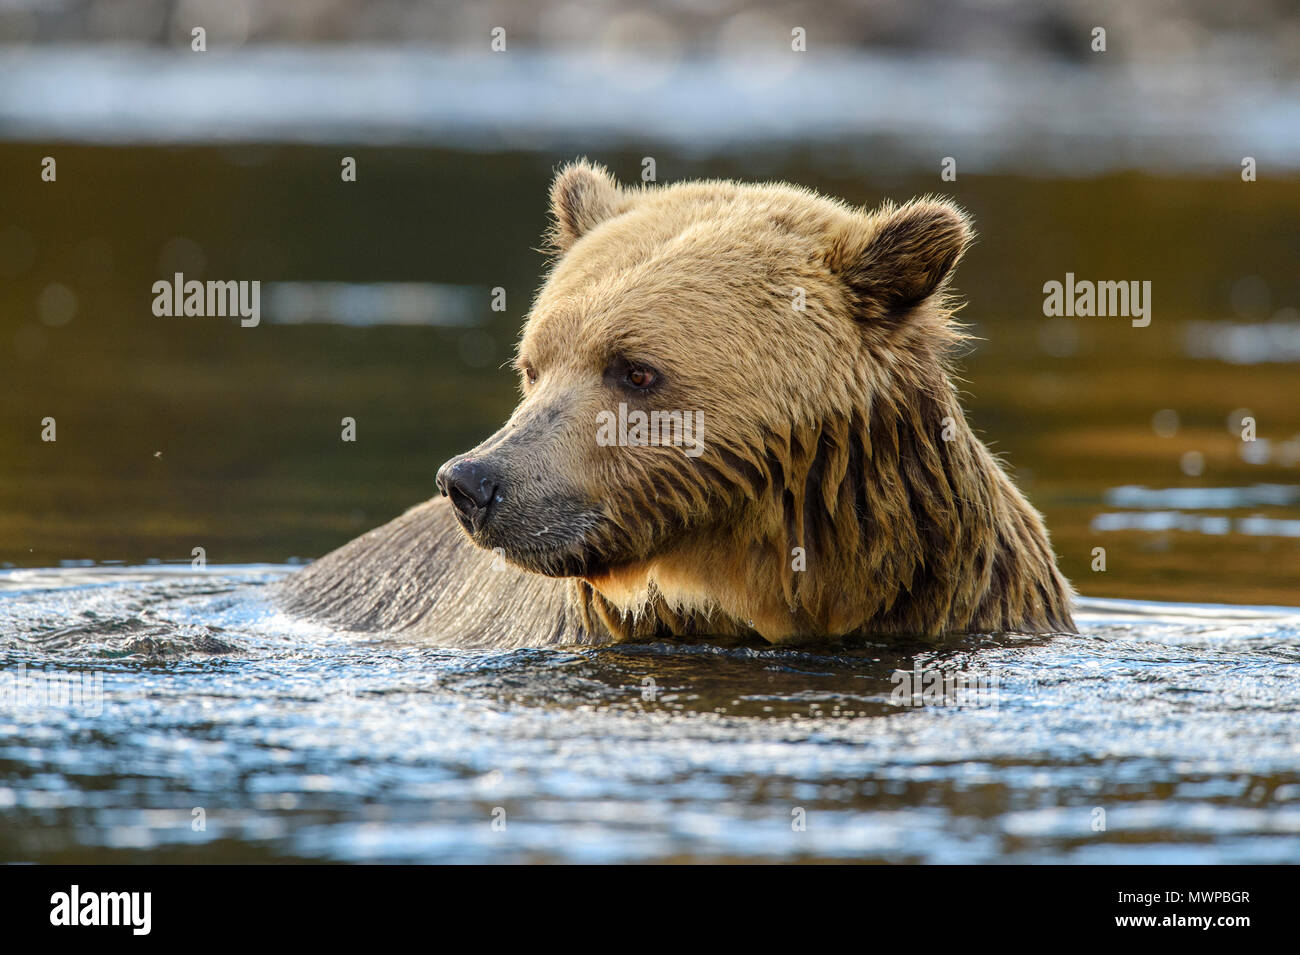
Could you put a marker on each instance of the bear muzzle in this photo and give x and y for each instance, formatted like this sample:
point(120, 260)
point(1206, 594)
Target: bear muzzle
point(474, 487)
point(543, 530)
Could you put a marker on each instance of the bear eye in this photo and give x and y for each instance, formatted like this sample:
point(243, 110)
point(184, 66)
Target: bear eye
point(530, 373)
point(622, 372)
point(640, 377)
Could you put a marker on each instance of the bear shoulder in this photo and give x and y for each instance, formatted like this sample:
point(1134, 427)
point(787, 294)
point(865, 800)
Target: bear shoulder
point(420, 576)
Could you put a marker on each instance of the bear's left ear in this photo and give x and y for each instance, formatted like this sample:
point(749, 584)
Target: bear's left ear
point(583, 195)
point(897, 257)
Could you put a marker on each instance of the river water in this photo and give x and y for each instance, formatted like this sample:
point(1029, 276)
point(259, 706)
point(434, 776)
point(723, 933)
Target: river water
point(198, 723)
point(207, 726)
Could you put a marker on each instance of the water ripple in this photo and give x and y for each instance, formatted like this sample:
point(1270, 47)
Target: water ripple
point(161, 714)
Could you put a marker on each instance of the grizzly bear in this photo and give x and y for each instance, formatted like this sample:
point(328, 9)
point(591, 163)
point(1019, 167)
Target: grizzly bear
point(829, 485)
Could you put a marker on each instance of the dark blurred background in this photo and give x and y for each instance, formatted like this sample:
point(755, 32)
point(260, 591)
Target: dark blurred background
point(376, 294)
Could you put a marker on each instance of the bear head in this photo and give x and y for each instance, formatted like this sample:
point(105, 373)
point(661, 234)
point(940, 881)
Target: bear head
point(732, 404)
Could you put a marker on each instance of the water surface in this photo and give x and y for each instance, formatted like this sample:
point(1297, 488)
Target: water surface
point(1173, 712)
point(1173, 727)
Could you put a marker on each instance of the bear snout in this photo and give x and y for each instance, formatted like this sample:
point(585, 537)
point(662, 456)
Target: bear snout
point(473, 485)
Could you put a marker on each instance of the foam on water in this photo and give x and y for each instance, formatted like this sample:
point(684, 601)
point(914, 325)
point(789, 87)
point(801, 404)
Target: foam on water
point(1174, 726)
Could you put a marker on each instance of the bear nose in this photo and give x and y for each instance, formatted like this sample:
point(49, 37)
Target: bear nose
point(471, 485)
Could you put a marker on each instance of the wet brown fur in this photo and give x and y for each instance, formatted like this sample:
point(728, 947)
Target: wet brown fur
point(824, 430)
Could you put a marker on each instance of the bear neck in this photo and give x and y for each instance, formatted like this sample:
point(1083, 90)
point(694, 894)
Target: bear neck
point(895, 519)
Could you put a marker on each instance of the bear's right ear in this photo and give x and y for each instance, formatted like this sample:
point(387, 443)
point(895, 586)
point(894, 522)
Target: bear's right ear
point(583, 195)
point(897, 257)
